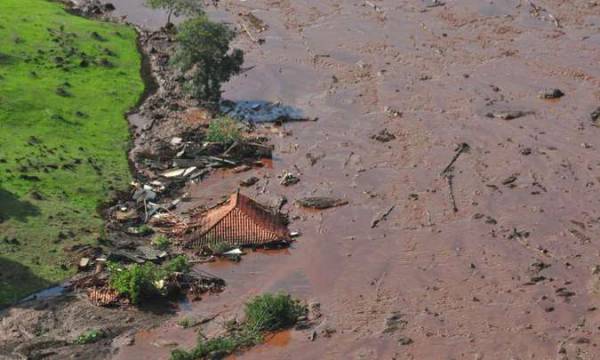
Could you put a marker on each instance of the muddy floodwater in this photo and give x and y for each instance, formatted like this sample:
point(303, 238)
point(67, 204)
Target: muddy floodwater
point(511, 273)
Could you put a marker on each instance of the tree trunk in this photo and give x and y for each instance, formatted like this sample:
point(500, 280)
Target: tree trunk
point(169, 17)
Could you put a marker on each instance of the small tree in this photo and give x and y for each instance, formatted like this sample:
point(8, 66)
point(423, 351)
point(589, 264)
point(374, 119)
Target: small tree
point(177, 7)
point(203, 52)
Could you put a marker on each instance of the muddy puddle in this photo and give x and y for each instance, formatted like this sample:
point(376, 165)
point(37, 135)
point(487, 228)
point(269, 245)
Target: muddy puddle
point(426, 282)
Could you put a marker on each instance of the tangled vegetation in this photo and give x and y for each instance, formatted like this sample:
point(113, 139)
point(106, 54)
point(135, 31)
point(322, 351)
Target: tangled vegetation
point(139, 282)
point(224, 130)
point(65, 84)
point(264, 313)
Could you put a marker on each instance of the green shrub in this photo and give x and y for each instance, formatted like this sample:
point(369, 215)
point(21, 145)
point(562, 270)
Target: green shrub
point(224, 130)
point(145, 230)
point(186, 322)
point(264, 313)
point(90, 336)
point(177, 264)
point(161, 242)
point(270, 312)
point(218, 347)
point(137, 281)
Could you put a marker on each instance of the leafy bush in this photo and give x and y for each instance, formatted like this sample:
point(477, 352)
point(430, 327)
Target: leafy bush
point(224, 130)
point(177, 264)
point(264, 313)
point(136, 282)
point(90, 336)
point(270, 312)
point(218, 347)
point(161, 242)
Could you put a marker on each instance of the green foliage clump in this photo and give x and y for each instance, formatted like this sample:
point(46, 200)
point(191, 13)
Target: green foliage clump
point(161, 242)
point(218, 347)
point(177, 264)
point(137, 282)
point(271, 312)
point(186, 322)
point(90, 336)
point(203, 52)
point(224, 130)
point(264, 313)
point(143, 230)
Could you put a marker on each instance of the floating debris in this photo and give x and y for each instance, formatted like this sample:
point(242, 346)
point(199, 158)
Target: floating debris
point(551, 94)
point(508, 114)
point(384, 136)
point(382, 217)
point(321, 203)
point(595, 115)
point(289, 179)
point(255, 112)
point(249, 181)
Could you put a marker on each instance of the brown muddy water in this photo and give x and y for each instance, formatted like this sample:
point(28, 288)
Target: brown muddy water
point(467, 284)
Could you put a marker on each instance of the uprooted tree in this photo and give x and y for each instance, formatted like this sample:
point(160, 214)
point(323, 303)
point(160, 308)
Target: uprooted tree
point(204, 55)
point(177, 7)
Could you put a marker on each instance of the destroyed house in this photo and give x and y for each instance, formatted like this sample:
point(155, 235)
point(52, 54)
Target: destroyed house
point(239, 221)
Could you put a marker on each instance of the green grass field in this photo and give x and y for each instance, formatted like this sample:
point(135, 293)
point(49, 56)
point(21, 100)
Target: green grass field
point(65, 85)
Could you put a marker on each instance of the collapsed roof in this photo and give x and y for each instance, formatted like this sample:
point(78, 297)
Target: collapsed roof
point(239, 221)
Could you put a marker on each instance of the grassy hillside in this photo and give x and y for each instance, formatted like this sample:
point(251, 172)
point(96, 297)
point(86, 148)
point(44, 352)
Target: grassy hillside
point(65, 84)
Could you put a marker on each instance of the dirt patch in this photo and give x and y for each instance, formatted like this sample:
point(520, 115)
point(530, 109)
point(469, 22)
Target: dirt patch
point(49, 328)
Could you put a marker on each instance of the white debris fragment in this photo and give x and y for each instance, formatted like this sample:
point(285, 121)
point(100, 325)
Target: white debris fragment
point(176, 141)
point(233, 252)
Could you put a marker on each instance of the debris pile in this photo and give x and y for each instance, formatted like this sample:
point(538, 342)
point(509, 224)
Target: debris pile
point(90, 8)
point(193, 284)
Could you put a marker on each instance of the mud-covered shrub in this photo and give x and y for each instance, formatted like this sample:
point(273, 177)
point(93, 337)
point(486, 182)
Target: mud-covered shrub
point(224, 130)
point(161, 242)
point(136, 282)
point(264, 313)
point(177, 264)
point(271, 312)
point(186, 322)
point(90, 336)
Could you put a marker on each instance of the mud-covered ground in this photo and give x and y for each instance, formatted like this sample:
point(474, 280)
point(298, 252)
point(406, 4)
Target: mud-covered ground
point(512, 273)
point(493, 280)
